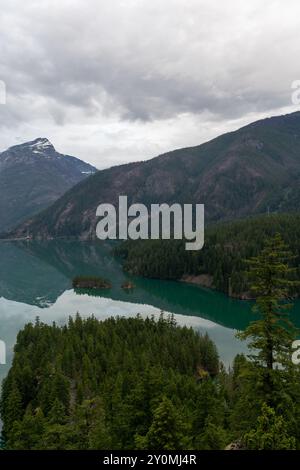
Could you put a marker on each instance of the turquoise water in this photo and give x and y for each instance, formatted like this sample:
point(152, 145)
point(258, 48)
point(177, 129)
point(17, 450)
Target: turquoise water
point(35, 280)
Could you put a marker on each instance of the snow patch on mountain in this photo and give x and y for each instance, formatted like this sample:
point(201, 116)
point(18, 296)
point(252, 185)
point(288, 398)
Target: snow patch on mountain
point(41, 145)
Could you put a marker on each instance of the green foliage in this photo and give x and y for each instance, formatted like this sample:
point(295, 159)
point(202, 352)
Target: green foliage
point(270, 380)
point(221, 260)
point(214, 437)
point(271, 433)
point(167, 432)
point(271, 336)
point(145, 384)
point(99, 385)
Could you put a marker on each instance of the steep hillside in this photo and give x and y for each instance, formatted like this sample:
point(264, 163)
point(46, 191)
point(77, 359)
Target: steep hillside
point(32, 176)
point(221, 264)
point(250, 171)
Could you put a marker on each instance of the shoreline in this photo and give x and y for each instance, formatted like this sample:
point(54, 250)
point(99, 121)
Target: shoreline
point(206, 280)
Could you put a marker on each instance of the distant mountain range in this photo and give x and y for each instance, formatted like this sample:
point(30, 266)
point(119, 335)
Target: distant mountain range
point(32, 176)
point(253, 170)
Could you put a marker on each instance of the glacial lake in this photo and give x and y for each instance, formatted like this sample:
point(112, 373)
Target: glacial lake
point(36, 281)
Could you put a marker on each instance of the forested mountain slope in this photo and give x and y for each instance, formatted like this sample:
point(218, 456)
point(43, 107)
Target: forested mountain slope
point(253, 170)
point(221, 263)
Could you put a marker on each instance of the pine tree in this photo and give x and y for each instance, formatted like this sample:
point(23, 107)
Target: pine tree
point(57, 413)
point(98, 435)
point(271, 433)
point(26, 434)
point(271, 336)
point(166, 431)
point(213, 437)
point(12, 411)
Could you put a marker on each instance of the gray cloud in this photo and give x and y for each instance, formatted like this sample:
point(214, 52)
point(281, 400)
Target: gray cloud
point(124, 80)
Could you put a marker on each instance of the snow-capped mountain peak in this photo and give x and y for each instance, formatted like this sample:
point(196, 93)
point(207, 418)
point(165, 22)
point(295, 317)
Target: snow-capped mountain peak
point(40, 145)
point(35, 173)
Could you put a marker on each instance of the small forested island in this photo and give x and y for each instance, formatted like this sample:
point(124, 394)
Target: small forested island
point(90, 282)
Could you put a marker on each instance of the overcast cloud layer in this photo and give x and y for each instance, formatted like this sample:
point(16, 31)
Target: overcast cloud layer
point(116, 81)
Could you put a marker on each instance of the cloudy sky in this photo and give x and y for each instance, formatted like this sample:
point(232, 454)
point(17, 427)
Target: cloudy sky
point(112, 81)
